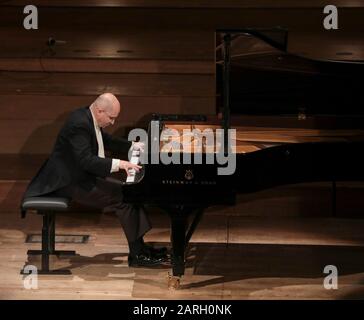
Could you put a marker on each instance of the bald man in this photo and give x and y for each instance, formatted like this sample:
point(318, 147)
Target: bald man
point(78, 169)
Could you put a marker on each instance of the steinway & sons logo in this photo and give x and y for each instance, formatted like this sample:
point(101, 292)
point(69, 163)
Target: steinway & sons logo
point(189, 175)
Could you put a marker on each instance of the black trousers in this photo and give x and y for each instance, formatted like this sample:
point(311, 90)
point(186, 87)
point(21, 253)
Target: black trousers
point(107, 195)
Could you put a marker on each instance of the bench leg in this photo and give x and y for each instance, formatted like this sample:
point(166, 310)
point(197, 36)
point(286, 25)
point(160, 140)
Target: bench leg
point(52, 233)
point(48, 246)
point(51, 272)
point(52, 241)
point(55, 252)
point(45, 242)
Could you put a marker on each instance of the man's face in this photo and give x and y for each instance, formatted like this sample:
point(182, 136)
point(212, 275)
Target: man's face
point(107, 117)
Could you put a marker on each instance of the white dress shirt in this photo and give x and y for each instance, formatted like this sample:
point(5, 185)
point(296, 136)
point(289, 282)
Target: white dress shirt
point(101, 153)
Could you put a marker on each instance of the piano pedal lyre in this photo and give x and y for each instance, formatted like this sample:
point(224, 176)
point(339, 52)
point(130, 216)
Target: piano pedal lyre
point(173, 282)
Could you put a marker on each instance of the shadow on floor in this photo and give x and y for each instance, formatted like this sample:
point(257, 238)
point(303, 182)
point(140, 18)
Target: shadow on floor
point(242, 261)
point(228, 263)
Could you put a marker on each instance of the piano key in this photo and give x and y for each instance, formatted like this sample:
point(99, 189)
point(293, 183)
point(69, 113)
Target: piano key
point(130, 179)
point(134, 160)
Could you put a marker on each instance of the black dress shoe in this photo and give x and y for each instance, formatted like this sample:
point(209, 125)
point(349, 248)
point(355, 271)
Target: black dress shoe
point(143, 260)
point(156, 252)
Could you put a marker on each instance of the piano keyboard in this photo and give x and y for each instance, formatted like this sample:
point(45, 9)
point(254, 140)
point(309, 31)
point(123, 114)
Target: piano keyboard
point(135, 158)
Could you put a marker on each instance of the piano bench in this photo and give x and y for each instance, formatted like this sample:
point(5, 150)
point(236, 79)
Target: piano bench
point(48, 207)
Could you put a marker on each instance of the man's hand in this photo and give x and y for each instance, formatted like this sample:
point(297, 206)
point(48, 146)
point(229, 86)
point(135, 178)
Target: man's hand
point(138, 146)
point(127, 166)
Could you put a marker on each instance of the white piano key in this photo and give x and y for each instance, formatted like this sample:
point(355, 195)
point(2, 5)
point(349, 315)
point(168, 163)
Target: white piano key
point(134, 160)
point(130, 179)
point(131, 176)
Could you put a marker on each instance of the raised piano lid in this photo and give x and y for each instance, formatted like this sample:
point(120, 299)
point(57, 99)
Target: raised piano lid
point(268, 82)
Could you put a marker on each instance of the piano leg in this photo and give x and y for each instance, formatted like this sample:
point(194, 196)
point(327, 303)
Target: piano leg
point(179, 218)
point(179, 240)
point(194, 224)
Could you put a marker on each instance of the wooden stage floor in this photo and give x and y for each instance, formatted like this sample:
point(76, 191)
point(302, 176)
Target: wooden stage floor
point(230, 257)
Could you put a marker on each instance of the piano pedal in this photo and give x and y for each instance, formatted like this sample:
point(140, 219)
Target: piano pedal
point(173, 282)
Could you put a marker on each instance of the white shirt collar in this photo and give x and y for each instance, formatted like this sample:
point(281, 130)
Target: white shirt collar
point(95, 122)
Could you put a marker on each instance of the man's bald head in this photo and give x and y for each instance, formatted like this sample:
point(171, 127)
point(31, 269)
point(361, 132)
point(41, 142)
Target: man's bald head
point(105, 109)
point(107, 101)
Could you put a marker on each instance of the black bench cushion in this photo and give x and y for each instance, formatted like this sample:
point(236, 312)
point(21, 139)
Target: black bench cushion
point(45, 204)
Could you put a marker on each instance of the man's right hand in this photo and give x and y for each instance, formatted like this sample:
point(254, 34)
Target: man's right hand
point(126, 165)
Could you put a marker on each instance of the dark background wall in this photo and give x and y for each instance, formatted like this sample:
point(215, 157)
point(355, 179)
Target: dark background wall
point(156, 56)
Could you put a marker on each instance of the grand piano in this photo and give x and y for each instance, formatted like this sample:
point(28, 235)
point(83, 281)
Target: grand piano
point(296, 119)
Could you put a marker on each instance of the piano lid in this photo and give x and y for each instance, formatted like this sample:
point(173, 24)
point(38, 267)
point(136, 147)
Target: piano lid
point(267, 79)
point(324, 46)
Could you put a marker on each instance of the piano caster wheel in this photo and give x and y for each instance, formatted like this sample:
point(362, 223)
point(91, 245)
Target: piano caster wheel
point(173, 282)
